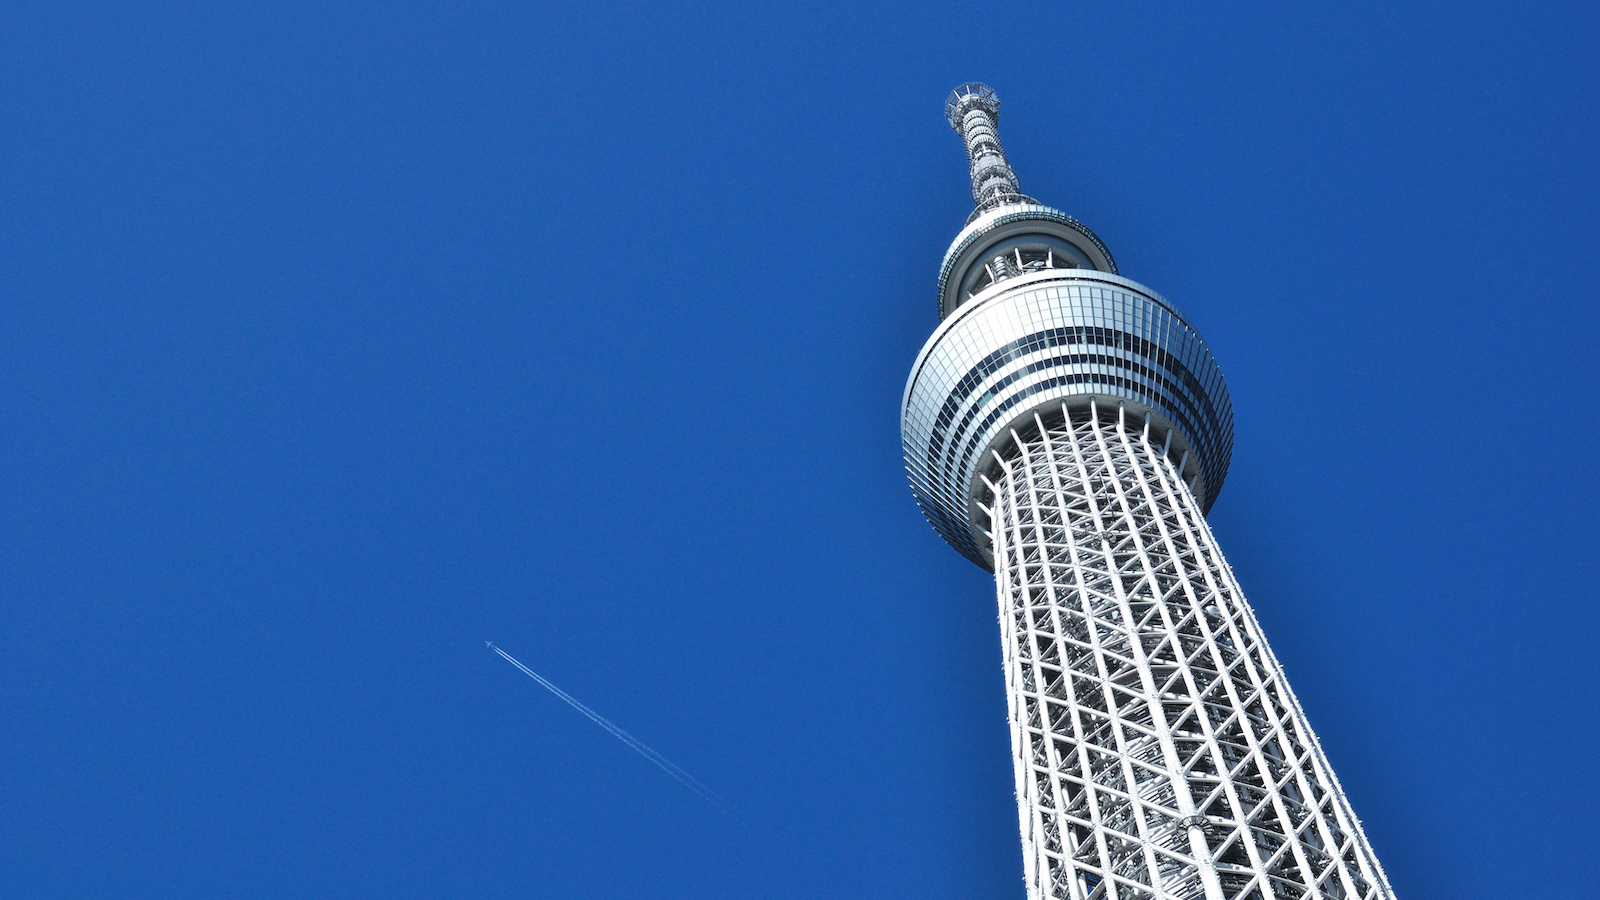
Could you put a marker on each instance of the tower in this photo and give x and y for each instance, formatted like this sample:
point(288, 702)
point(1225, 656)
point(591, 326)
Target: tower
point(1067, 428)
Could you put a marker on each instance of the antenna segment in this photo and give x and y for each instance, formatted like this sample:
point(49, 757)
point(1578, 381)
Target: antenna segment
point(974, 112)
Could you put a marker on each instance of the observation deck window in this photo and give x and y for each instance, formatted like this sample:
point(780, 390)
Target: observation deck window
point(1021, 256)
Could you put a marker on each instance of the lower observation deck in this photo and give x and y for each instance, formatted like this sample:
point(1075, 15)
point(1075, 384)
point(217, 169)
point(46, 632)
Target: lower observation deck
point(1041, 340)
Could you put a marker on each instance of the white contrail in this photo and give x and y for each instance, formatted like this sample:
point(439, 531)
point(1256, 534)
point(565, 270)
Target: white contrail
point(666, 765)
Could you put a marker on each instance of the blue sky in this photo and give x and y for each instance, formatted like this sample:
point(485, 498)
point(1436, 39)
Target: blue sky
point(339, 338)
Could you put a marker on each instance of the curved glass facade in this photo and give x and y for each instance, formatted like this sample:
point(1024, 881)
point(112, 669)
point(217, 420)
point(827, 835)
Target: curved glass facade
point(1036, 342)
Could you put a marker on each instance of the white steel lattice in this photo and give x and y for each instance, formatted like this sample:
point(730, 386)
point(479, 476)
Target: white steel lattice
point(1159, 751)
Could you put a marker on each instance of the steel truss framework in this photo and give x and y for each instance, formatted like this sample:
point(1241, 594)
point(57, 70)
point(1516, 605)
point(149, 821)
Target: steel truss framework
point(1159, 751)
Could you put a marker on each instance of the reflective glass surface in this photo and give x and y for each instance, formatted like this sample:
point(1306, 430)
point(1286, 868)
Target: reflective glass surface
point(1040, 340)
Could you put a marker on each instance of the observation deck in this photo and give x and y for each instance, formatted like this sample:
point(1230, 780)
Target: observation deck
point(1035, 319)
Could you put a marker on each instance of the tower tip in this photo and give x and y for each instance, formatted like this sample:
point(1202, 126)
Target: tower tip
point(969, 95)
point(973, 110)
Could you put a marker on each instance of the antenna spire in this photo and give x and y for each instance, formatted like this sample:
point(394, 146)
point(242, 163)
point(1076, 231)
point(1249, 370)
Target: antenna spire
point(974, 112)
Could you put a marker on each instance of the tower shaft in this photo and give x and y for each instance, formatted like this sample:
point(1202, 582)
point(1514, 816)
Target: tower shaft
point(1159, 752)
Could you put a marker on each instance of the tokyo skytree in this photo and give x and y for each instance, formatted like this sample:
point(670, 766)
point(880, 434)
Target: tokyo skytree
point(1067, 428)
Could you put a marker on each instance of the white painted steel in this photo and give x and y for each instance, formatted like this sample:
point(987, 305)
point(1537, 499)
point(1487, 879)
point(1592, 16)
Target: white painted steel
point(1068, 428)
point(1159, 752)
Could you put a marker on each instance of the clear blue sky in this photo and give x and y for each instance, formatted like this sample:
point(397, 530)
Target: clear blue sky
point(338, 338)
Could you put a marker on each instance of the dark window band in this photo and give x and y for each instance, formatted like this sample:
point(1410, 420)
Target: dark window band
point(1203, 439)
point(1068, 360)
point(1065, 336)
